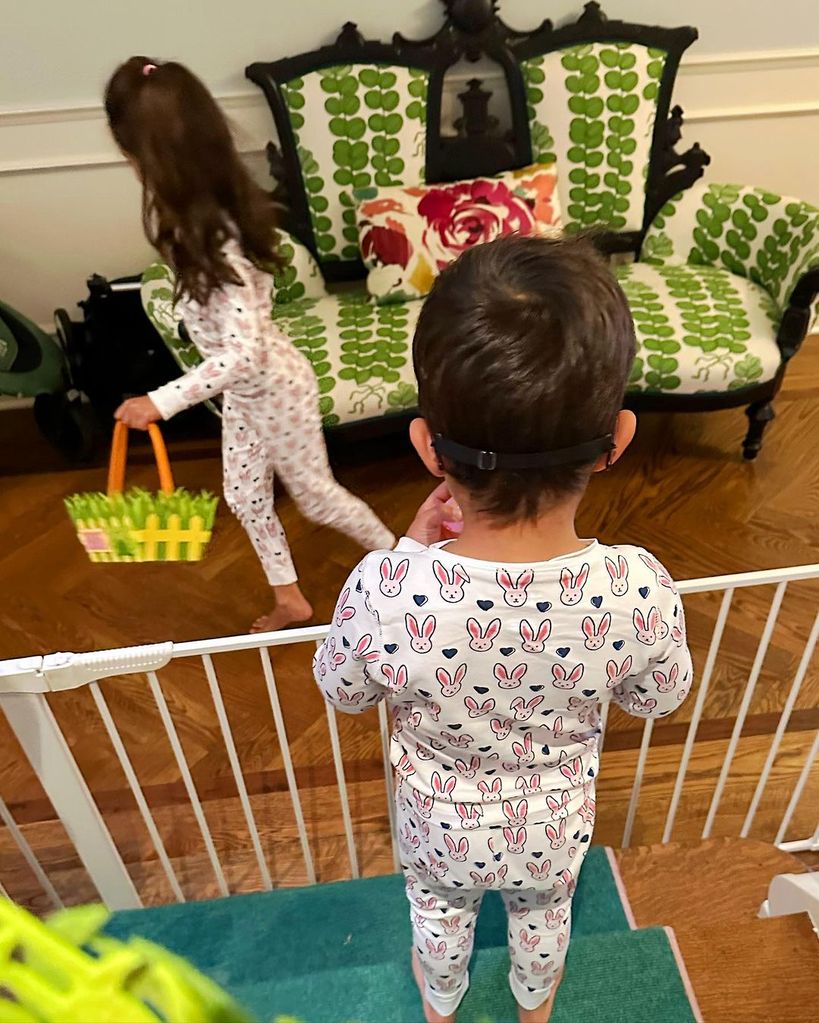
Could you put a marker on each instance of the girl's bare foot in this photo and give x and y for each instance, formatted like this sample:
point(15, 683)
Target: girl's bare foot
point(430, 1015)
point(543, 1013)
point(292, 608)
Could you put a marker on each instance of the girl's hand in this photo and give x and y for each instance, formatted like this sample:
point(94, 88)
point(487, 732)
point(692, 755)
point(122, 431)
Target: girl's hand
point(138, 413)
point(439, 508)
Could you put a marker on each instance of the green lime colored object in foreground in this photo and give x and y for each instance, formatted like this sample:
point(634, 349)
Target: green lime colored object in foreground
point(66, 971)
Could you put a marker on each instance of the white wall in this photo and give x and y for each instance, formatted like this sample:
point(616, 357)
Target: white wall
point(68, 206)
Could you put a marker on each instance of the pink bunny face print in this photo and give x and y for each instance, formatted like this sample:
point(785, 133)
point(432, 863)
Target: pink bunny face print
point(344, 612)
point(535, 642)
point(457, 850)
point(363, 652)
point(659, 572)
point(528, 784)
point(423, 804)
point(491, 793)
point(559, 809)
point(501, 727)
point(515, 839)
point(657, 624)
point(390, 584)
point(665, 683)
point(397, 678)
point(595, 636)
point(515, 814)
point(470, 815)
point(515, 593)
point(476, 710)
point(468, 771)
point(436, 951)
point(554, 920)
point(556, 834)
point(615, 674)
point(522, 709)
point(481, 641)
point(443, 789)
point(572, 585)
point(643, 628)
point(507, 680)
point(528, 942)
point(524, 751)
point(350, 699)
point(572, 771)
point(452, 585)
point(451, 684)
point(618, 573)
point(563, 680)
point(420, 636)
point(539, 871)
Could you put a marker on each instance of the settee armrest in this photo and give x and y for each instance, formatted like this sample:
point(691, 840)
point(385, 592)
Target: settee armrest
point(770, 239)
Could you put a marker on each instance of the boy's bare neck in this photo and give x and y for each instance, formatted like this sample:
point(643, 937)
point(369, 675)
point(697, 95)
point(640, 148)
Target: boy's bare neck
point(549, 536)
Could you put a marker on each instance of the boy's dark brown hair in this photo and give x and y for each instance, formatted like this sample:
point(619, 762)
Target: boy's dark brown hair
point(196, 191)
point(524, 345)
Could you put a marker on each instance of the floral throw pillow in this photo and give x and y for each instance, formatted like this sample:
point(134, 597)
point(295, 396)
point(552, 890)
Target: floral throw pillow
point(409, 234)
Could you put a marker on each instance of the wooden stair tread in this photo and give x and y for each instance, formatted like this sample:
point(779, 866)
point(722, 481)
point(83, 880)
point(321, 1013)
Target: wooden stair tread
point(742, 969)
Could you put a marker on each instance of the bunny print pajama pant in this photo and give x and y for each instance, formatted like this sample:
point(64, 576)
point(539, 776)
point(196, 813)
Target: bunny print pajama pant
point(282, 436)
point(530, 849)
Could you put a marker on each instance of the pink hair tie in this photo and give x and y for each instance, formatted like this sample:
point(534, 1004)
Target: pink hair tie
point(148, 68)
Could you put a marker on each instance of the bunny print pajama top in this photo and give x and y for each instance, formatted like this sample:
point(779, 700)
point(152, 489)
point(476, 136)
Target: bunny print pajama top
point(495, 676)
point(270, 418)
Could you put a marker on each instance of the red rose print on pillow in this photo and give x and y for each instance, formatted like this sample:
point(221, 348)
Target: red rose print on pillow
point(459, 216)
point(386, 245)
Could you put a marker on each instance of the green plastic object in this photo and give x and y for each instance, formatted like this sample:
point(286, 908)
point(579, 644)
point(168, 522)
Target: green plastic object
point(32, 363)
point(65, 971)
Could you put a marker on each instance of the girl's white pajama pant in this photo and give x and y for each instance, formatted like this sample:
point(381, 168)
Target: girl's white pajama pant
point(280, 434)
point(520, 849)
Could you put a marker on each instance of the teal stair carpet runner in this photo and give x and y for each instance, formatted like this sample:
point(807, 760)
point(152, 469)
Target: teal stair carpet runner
point(339, 953)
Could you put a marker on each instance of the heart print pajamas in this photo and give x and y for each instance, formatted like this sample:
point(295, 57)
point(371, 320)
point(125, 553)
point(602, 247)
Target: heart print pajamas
point(495, 676)
point(270, 419)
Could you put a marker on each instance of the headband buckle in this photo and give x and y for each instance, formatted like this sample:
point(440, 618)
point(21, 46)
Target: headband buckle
point(487, 460)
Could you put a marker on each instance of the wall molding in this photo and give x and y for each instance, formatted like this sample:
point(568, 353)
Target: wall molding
point(711, 88)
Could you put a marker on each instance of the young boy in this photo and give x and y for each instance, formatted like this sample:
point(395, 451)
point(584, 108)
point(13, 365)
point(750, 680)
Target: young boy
point(495, 651)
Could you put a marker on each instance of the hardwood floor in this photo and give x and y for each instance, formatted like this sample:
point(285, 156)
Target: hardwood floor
point(682, 490)
point(742, 969)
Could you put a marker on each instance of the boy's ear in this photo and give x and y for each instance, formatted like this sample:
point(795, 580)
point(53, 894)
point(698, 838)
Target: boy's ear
point(624, 429)
point(422, 442)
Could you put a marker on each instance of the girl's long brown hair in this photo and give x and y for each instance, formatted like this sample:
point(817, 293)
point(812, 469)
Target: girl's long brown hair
point(196, 192)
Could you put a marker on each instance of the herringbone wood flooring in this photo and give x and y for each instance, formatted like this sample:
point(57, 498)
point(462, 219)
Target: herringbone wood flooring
point(682, 490)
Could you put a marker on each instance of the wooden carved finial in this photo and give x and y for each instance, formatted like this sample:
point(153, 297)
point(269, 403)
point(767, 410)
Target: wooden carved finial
point(471, 16)
point(349, 35)
point(592, 14)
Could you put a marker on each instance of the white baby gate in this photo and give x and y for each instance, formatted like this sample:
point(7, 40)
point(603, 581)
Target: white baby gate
point(24, 683)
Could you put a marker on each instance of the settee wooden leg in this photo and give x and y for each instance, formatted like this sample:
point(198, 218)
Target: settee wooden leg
point(759, 415)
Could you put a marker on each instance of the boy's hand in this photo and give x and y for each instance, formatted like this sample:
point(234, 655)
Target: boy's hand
point(428, 525)
point(138, 413)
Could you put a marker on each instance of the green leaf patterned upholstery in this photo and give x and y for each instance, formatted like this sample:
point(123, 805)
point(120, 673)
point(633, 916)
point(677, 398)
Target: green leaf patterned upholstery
point(700, 329)
point(592, 108)
point(360, 351)
point(355, 125)
point(767, 238)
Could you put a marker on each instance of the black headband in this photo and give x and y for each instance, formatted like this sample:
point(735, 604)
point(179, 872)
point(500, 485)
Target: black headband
point(488, 460)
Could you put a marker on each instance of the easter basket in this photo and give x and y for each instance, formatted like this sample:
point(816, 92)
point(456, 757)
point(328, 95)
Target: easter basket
point(173, 524)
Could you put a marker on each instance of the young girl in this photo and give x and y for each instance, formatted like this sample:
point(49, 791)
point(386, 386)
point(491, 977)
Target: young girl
point(216, 229)
point(496, 651)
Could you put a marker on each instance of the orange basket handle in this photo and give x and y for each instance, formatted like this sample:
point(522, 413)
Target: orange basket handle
point(119, 458)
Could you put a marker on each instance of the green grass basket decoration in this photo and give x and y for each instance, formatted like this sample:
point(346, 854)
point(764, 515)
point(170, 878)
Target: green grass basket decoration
point(137, 525)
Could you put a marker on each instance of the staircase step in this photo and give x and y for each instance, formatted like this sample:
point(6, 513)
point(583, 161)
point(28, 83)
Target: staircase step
point(610, 978)
point(292, 931)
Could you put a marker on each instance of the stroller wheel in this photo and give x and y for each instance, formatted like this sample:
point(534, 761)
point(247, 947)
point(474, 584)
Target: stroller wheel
point(67, 424)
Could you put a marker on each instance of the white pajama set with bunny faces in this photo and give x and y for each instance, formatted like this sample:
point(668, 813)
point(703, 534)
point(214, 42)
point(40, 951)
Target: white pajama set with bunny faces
point(495, 676)
point(270, 419)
